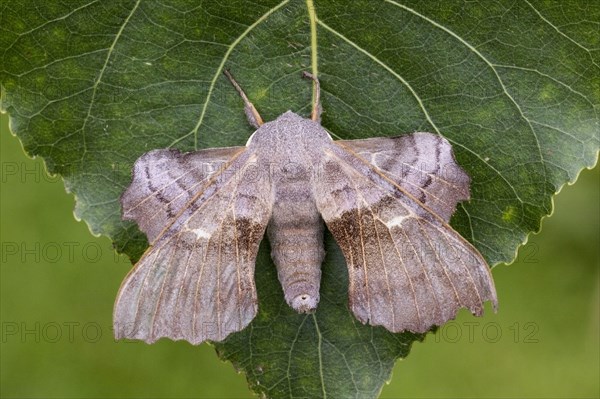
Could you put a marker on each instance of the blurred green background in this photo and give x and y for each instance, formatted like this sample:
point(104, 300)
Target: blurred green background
point(58, 284)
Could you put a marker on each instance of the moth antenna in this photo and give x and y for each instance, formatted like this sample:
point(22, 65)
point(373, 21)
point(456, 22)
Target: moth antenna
point(252, 114)
point(316, 108)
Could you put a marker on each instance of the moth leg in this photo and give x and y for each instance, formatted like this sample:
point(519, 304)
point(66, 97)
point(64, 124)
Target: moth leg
point(251, 113)
point(316, 109)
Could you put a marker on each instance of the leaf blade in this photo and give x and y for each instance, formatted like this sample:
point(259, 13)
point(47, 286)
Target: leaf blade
point(91, 86)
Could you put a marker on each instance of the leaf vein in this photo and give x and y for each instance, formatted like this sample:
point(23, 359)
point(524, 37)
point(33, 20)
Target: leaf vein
point(230, 48)
point(101, 74)
point(491, 66)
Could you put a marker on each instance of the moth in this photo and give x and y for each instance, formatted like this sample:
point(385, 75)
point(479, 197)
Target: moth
point(386, 201)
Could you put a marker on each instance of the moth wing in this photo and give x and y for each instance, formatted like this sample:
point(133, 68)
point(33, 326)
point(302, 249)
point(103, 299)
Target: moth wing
point(164, 181)
point(196, 281)
point(422, 164)
point(408, 270)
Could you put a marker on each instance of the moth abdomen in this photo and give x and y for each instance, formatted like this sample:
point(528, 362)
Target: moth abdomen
point(298, 254)
point(295, 233)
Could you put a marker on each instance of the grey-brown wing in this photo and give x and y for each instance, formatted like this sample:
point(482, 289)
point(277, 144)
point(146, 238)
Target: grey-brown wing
point(408, 270)
point(164, 181)
point(196, 281)
point(423, 164)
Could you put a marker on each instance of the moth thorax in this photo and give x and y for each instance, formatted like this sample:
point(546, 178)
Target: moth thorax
point(296, 236)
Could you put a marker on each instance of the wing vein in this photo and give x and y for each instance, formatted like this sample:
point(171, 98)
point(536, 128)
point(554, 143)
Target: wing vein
point(143, 285)
point(387, 280)
point(196, 303)
point(444, 268)
point(362, 246)
point(431, 288)
point(162, 285)
point(468, 272)
point(220, 259)
point(410, 282)
point(237, 266)
point(178, 309)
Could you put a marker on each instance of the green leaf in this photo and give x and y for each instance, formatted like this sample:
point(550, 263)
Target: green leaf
point(514, 86)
